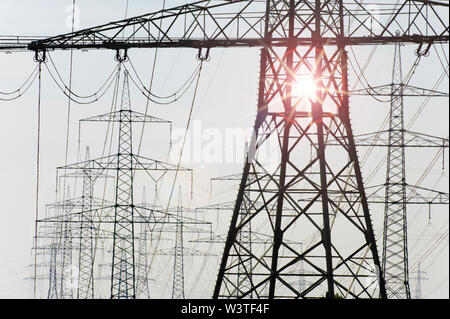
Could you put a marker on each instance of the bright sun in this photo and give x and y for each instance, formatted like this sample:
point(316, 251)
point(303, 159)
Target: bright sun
point(305, 86)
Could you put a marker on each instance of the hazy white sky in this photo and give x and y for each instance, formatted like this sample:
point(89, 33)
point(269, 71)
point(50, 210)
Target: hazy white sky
point(226, 100)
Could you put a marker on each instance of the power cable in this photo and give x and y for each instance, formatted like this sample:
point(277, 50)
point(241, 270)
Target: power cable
point(175, 96)
point(181, 152)
point(66, 154)
point(66, 88)
point(38, 157)
point(96, 96)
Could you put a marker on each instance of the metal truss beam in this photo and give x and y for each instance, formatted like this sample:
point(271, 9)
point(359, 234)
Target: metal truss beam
point(222, 23)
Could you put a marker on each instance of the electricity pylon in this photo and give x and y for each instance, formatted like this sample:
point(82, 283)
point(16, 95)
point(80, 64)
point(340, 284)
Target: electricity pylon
point(142, 288)
point(60, 253)
point(288, 120)
point(419, 278)
point(246, 237)
point(395, 239)
point(53, 266)
point(125, 213)
point(180, 222)
point(396, 198)
point(297, 38)
point(66, 233)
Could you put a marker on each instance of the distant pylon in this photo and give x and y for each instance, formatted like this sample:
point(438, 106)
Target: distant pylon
point(53, 268)
point(87, 237)
point(395, 193)
point(178, 263)
point(125, 214)
point(123, 262)
point(288, 122)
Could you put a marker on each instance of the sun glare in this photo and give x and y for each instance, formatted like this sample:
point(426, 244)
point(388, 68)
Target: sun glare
point(305, 86)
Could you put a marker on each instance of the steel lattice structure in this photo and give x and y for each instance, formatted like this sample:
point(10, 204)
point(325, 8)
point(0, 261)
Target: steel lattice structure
point(142, 288)
point(396, 197)
point(296, 37)
point(178, 262)
point(125, 163)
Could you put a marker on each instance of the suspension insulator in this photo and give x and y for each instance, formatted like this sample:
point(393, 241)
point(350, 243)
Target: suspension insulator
point(203, 57)
point(40, 56)
point(121, 55)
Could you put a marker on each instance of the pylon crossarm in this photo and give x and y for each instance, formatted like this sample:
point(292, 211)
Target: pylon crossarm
point(110, 163)
point(135, 117)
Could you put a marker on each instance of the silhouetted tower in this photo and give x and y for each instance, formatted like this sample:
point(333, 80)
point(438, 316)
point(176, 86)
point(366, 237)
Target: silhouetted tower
point(395, 239)
point(178, 263)
point(244, 282)
point(298, 39)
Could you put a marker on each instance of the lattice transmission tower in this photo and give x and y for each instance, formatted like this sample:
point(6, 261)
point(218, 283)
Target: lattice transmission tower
point(178, 263)
point(122, 214)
